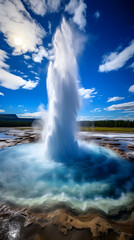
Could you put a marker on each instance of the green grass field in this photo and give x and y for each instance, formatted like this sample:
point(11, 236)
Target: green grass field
point(107, 129)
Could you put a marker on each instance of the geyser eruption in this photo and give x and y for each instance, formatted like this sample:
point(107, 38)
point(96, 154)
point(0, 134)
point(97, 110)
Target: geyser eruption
point(62, 87)
point(82, 175)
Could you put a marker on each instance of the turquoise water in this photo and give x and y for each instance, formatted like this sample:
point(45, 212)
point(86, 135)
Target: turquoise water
point(97, 178)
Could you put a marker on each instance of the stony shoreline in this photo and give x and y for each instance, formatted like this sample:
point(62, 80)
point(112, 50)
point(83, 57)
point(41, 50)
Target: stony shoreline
point(29, 136)
point(61, 223)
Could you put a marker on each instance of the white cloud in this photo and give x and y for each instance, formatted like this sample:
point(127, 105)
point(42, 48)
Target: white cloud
point(29, 66)
point(87, 93)
point(37, 78)
point(27, 57)
point(72, 5)
point(50, 27)
point(77, 8)
point(91, 118)
point(37, 6)
point(30, 85)
point(41, 7)
point(122, 106)
point(53, 5)
point(20, 72)
point(9, 80)
point(129, 111)
point(116, 60)
point(30, 115)
point(20, 30)
point(1, 94)
point(97, 14)
point(96, 110)
point(1, 110)
point(3, 57)
point(131, 89)
point(114, 99)
point(42, 52)
point(80, 15)
point(132, 66)
point(41, 113)
point(34, 72)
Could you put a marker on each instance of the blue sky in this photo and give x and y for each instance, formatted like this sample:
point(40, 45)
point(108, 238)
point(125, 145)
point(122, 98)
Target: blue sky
point(106, 64)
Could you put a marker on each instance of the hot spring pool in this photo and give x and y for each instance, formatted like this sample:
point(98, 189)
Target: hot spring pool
point(98, 179)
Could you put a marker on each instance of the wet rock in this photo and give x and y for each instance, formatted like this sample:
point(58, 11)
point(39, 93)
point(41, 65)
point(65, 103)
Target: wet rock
point(59, 224)
point(130, 156)
point(21, 138)
point(130, 147)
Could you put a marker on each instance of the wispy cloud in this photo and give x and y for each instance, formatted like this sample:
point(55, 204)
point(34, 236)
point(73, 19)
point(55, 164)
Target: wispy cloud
point(40, 113)
point(87, 93)
point(1, 94)
point(131, 89)
point(91, 118)
point(116, 60)
point(22, 32)
point(29, 85)
point(1, 110)
point(29, 66)
point(50, 27)
point(9, 80)
point(96, 110)
point(42, 52)
point(27, 57)
point(3, 57)
point(114, 99)
point(37, 78)
point(35, 73)
point(77, 8)
point(30, 115)
point(97, 14)
point(41, 7)
point(122, 106)
point(132, 66)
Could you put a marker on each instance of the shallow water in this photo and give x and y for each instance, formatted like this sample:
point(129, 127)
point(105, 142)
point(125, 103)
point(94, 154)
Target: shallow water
point(4, 136)
point(98, 178)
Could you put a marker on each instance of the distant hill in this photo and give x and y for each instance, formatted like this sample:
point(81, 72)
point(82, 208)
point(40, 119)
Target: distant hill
point(8, 116)
point(12, 120)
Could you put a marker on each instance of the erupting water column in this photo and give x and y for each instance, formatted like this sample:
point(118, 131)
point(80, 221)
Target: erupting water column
point(64, 102)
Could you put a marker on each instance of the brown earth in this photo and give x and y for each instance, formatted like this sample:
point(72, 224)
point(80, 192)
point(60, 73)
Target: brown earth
point(60, 224)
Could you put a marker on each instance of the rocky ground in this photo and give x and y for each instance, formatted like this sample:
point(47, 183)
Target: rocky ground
point(123, 144)
point(62, 223)
point(11, 137)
